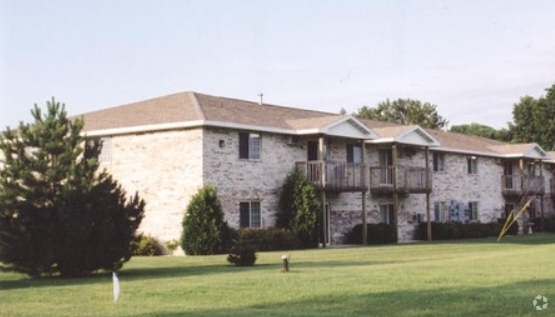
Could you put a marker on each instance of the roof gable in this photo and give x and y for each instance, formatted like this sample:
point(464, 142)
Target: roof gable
point(525, 150)
point(338, 126)
point(410, 135)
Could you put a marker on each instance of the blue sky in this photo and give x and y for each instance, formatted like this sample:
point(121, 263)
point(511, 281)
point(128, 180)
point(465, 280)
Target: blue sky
point(473, 59)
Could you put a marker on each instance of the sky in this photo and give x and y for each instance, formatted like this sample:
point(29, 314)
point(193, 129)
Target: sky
point(473, 59)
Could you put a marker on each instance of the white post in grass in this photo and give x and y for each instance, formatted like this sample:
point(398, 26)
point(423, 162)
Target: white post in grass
point(285, 260)
point(115, 282)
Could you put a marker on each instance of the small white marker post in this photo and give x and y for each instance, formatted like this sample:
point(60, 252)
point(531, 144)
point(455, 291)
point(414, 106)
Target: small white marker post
point(285, 260)
point(115, 282)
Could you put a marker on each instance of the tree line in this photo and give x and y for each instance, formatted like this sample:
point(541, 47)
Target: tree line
point(533, 119)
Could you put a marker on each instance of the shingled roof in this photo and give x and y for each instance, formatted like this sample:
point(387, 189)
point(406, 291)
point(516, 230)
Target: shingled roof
point(191, 107)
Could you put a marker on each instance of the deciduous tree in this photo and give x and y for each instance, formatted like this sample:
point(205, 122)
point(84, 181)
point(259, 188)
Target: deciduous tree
point(405, 111)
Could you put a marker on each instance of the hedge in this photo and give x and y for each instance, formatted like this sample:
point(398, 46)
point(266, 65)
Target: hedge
point(456, 231)
point(380, 233)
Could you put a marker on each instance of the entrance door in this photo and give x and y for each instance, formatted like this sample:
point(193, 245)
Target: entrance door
point(312, 151)
point(386, 162)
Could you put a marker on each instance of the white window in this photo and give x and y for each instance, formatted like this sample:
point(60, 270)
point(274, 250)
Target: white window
point(441, 212)
point(106, 152)
point(250, 216)
point(354, 153)
point(386, 213)
point(249, 146)
point(439, 162)
point(472, 211)
point(472, 165)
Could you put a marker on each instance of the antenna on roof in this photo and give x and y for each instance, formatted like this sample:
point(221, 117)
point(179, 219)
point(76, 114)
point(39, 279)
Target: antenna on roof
point(261, 102)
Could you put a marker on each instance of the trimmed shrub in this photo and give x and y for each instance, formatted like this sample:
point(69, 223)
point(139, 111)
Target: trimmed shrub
point(147, 245)
point(171, 245)
point(270, 239)
point(242, 253)
point(549, 224)
point(204, 229)
point(299, 209)
point(379, 233)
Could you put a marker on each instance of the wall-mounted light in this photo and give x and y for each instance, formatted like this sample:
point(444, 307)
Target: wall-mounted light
point(221, 143)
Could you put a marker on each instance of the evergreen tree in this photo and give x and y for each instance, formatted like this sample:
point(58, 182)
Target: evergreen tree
point(299, 208)
point(204, 229)
point(58, 212)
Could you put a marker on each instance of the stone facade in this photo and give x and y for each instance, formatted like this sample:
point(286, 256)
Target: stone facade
point(242, 180)
point(167, 167)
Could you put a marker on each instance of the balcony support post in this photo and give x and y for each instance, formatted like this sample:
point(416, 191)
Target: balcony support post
point(322, 159)
point(428, 216)
point(395, 193)
point(363, 193)
point(541, 195)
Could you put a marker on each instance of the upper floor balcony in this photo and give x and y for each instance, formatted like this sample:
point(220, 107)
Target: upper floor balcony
point(386, 180)
point(522, 185)
point(335, 176)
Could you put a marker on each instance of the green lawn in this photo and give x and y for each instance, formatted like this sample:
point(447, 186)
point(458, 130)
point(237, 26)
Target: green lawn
point(472, 278)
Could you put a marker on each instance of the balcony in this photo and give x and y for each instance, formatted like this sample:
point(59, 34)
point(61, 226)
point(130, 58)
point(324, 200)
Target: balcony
point(386, 180)
point(522, 185)
point(335, 176)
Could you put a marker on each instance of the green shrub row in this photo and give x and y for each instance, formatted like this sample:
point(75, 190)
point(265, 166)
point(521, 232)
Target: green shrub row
point(380, 233)
point(549, 224)
point(147, 245)
point(456, 231)
point(270, 239)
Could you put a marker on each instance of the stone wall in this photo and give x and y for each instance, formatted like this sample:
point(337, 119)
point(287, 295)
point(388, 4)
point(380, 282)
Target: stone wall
point(165, 168)
point(239, 180)
point(455, 184)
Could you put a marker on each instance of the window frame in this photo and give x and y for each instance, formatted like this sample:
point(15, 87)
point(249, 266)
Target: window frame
point(472, 165)
point(254, 210)
point(473, 214)
point(438, 161)
point(441, 212)
point(250, 146)
point(352, 155)
point(386, 214)
point(105, 155)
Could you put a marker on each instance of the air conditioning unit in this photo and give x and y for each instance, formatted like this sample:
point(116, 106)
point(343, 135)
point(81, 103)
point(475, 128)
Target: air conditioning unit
point(294, 140)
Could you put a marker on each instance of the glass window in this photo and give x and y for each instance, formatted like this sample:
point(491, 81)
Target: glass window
point(472, 165)
point(386, 213)
point(473, 211)
point(250, 215)
point(106, 152)
point(249, 146)
point(439, 161)
point(354, 153)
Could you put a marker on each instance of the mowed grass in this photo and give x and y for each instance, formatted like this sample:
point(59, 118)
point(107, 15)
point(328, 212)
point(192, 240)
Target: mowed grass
point(471, 278)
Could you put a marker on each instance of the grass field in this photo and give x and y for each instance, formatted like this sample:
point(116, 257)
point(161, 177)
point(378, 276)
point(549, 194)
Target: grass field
point(472, 278)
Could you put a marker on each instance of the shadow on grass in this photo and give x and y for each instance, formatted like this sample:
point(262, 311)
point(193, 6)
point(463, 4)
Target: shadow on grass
point(507, 300)
point(164, 272)
point(142, 273)
point(529, 239)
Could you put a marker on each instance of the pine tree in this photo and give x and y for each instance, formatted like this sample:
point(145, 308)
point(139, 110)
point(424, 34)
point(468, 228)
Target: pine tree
point(58, 212)
point(204, 229)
